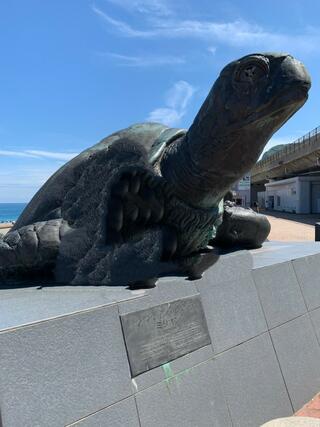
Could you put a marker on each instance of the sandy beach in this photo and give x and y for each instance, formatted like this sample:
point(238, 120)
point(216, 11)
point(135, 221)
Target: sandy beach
point(5, 227)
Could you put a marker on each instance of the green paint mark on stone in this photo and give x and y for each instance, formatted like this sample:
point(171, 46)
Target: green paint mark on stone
point(168, 372)
point(174, 379)
point(169, 375)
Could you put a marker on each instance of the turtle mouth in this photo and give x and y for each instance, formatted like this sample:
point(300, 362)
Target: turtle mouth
point(279, 109)
point(297, 92)
point(287, 102)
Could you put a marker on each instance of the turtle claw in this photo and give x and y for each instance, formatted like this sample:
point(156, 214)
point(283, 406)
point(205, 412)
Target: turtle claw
point(121, 188)
point(115, 217)
point(170, 244)
point(135, 184)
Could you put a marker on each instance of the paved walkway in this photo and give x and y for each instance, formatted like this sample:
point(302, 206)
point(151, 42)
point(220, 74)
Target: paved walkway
point(293, 422)
point(288, 227)
point(308, 416)
point(311, 409)
point(310, 219)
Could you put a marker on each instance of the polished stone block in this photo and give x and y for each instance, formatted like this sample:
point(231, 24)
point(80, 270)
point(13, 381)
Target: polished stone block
point(122, 414)
point(192, 398)
point(308, 273)
point(298, 352)
point(232, 309)
point(229, 266)
point(253, 384)
point(22, 306)
point(167, 289)
point(273, 253)
point(279, 293)
point(58, 371)
point(157, 375)
point(315, 319)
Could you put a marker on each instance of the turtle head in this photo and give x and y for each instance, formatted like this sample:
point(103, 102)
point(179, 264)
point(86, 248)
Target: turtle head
point(259, 92)
point(251, 99)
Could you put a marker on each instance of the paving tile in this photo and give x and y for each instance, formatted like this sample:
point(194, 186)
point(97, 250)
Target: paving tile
point(232, 309)
point(279, 293)
point(308, 272)
point(252, 383)
point(122, 414)
point(298, 353)
point(192, 398)
point(62, 370)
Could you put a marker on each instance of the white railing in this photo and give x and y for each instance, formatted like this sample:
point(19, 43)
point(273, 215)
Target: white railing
point(305, 141)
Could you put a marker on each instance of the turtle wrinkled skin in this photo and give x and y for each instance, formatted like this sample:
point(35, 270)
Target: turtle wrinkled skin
point(147, 200)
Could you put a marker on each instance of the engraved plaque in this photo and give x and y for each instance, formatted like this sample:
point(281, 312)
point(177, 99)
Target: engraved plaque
point(157, 335)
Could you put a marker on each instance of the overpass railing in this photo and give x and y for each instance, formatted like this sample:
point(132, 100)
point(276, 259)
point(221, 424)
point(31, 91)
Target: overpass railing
point(308, 140)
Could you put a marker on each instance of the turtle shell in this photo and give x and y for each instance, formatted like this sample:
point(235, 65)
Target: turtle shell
point(166, 137)
point(46, 204)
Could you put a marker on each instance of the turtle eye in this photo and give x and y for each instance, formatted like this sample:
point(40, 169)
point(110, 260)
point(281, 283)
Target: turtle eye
point(252, 71)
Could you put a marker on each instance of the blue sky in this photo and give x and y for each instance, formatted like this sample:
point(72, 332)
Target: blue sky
point(74, 71)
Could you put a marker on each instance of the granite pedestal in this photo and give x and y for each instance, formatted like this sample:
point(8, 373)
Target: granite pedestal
point(65, 355)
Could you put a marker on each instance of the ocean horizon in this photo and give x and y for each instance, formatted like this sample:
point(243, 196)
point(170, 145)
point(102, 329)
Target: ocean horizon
point(11, 211)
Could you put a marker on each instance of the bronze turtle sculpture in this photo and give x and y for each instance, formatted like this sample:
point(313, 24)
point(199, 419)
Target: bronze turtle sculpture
point(150, 198)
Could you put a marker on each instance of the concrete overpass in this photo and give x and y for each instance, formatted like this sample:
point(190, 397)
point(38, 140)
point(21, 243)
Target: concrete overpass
point(300, 157)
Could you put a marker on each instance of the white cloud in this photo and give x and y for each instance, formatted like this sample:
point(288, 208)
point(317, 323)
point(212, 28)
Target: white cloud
point(38, 154)
point(52, 154)
point(26, 177)
point(176, 100)
point(157, 7)
point(120, 26)
point(237, 34)
point(23, 172)
point(167, 116)
point(179, 95)
point(144, 61)
point(8, 153)
point(19, 184)
point(212, 50)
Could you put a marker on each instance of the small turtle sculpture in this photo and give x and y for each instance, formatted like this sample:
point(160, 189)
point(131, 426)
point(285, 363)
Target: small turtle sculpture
point(148, 199)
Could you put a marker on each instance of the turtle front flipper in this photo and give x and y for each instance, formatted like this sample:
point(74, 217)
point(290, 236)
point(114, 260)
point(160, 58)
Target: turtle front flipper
point(137, 203)
point(31, 250)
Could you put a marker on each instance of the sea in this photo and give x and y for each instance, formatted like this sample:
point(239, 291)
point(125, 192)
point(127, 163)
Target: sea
point(11, 211)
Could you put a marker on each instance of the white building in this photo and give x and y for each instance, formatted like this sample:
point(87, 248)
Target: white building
point(241, 191)
point(300, 195)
